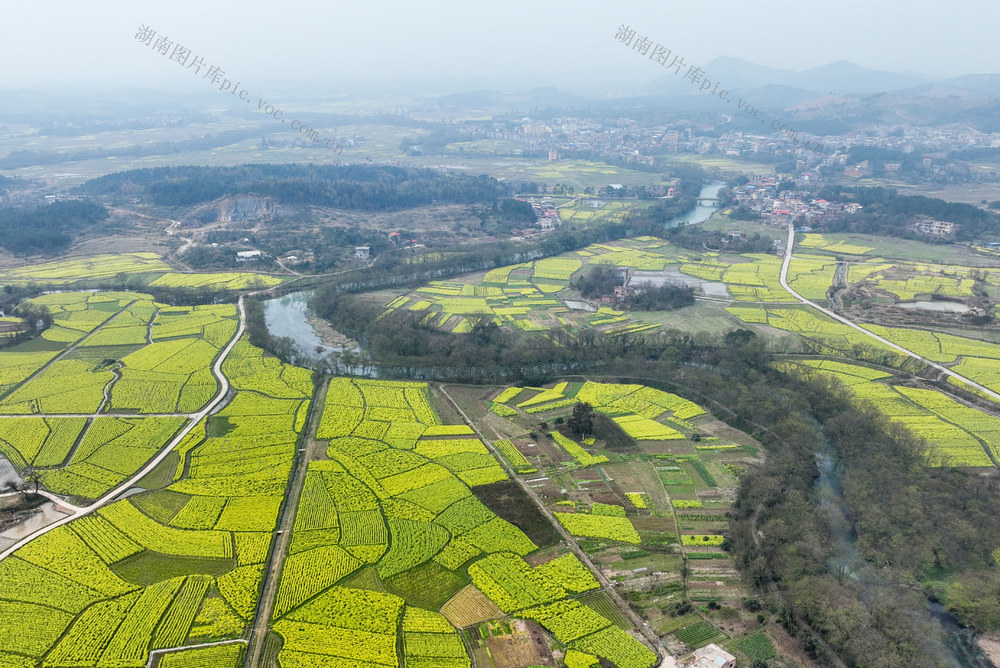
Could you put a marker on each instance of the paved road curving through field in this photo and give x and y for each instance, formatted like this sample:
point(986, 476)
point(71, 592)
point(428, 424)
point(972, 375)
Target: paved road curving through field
point(195, 419)
point(789, 246)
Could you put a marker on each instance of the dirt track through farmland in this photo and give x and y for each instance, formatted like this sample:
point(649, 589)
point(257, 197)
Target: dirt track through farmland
point(265, 607)
point(652, 640)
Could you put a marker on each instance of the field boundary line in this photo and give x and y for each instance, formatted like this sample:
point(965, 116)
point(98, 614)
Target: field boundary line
point(173, 650)
point(70, 348)
point(271, 582)
point(663, 654)
point(166, 450)
point(782, 278)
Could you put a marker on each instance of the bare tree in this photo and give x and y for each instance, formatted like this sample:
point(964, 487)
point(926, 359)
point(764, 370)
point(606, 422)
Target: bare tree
point(32, 478)
point(844, 567)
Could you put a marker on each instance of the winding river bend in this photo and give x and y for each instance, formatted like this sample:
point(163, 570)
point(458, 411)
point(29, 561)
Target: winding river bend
point(289, 315)
point(703, 210)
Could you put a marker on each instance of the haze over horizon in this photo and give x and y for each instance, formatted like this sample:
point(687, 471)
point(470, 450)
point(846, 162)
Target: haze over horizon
point(386, 43)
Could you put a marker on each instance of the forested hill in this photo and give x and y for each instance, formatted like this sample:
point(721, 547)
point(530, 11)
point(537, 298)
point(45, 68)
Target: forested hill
point(887, 212)
point(47, 228)
point(360, 187)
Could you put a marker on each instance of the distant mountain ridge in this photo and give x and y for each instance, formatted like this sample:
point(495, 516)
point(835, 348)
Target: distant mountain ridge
point(838, 96)
point(842, 78)
point(831, 98)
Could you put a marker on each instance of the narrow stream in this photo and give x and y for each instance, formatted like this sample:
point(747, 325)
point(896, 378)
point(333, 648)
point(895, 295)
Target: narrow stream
point(959, 649)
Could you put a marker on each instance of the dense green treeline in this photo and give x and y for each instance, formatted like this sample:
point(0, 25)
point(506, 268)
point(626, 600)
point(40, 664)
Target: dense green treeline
point(887, 212)
point(47, 228)
point(697, 238)
point(917, 533)
point(355, 187)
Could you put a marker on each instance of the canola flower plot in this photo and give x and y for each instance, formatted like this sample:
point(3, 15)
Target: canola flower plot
point(556, 268)
point(824, 335)
point(956, 434)
point(857, 272)
point(218, 281)
point(755, 280)
point(112, 450)
point(173, 373)
point(609, 527)
point(123, 581)
point(576, 451)
point(811, 276)
point(39, 442)
point(218, 656)
point(129, 328)
point(66, 386)
point(88, 267)
point(526, 592)
point(834, 244)
point(644, 429)
point(637, 499)
point(904, 283)
point(166, 354)
point(514, 456)
point(430, 640)
point(73, 384)
point(17, 364)
point(394, 503)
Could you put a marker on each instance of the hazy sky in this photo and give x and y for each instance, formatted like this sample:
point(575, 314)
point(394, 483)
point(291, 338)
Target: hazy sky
point(49, 43)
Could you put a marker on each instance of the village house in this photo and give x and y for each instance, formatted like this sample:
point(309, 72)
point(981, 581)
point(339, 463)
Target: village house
point(936, 228)
point(712, 656)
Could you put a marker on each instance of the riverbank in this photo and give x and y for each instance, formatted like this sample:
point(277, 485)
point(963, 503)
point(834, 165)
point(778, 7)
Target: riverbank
point(290, 317)
point(328, 336)
point(990, 644)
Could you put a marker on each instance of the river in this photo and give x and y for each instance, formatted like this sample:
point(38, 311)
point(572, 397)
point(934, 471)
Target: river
point(703, 210)
point(289, 315)
point(959, 648)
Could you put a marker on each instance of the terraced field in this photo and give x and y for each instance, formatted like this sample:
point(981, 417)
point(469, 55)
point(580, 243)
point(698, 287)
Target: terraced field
point(114, 354)
point(531, 297)
point(122, 352)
